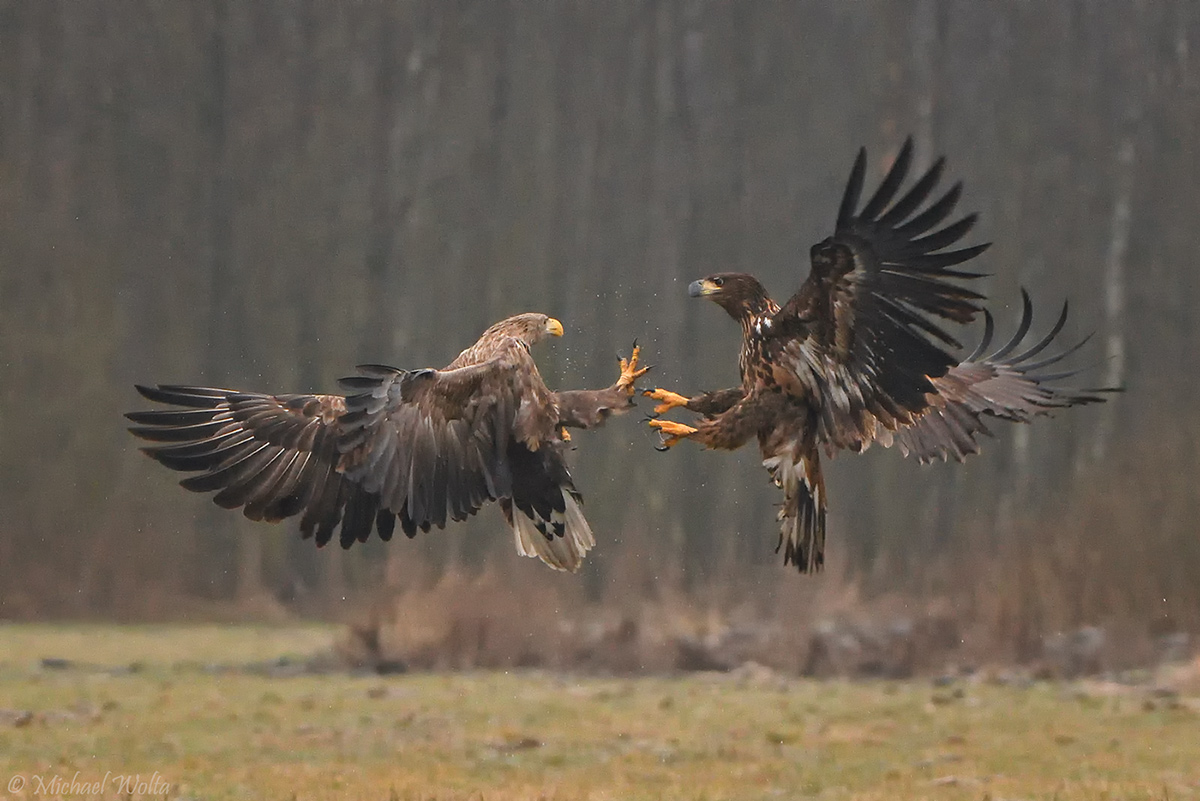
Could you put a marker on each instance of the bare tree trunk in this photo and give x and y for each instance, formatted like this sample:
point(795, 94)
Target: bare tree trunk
point(1114, 289)
point(226, 353)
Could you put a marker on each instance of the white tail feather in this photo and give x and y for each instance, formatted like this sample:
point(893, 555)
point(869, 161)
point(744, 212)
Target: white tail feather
point(561, 553)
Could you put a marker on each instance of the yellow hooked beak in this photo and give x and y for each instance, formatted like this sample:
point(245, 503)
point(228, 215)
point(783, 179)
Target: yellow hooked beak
point(554, 327)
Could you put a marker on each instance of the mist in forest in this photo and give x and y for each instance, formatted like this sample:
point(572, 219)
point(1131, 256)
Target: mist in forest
point(261, 196)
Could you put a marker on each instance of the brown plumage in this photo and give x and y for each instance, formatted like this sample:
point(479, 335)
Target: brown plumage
point(859, 353)
point(422, 446)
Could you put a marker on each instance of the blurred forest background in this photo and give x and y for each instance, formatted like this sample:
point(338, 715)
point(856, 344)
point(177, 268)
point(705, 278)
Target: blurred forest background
point(262, 195)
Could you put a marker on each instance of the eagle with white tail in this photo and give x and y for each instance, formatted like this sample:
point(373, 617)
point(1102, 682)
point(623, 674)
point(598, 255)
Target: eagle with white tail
point(421, 447)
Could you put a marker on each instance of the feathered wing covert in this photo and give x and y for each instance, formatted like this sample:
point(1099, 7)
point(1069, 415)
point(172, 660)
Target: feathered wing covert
point(421, 447)
point(860, 353)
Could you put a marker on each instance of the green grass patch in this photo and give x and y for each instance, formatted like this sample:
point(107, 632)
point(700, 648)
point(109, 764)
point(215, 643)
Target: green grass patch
point(531, 735)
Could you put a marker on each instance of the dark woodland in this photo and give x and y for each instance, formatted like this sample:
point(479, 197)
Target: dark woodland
point(261, 196)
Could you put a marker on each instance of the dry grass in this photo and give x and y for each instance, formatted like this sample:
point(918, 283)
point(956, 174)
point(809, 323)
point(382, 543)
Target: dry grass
point(113, 645)
point(748, 735)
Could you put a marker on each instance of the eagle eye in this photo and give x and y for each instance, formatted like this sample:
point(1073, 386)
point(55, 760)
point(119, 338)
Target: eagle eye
point(719, 281)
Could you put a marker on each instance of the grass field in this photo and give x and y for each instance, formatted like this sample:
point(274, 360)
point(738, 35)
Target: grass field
point(192, 729)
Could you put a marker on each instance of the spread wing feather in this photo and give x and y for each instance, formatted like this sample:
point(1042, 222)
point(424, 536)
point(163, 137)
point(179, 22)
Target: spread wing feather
point(426, 445)
point(421, 446)
point(861, 352)
point(433, 444)
point(271, 454)
point(999, 385)
point(862, 339)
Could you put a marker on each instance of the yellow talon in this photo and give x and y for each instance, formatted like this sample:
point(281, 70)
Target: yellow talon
point(670, 400)
point(566, 435)
point(671, 432)
point(630, 372)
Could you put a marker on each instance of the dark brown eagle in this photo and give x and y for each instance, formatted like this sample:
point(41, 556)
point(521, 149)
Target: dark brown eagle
point(424, 446)
point(856, 355)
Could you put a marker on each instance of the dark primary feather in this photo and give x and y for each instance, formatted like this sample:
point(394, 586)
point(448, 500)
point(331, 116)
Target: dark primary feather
point(854, 352)
point(391, 447)
point(999, 385)
point(270, 454)
point(861, 352)
point(862, 338)
point(424, 446)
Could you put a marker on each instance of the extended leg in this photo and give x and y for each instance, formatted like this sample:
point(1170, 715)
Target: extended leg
point(728, 431)
point(588, 408)
point(671, 432)
point(670, 400)
point(630, 372)
point(707, 403)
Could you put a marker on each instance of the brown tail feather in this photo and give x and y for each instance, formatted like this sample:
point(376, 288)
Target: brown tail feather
point(802, 516)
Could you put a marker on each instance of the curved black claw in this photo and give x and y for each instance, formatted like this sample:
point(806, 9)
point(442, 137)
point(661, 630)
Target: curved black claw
point(633, 347)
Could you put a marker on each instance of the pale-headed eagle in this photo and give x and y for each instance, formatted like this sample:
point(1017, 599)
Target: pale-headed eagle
point(424, 446)
point(856, 356)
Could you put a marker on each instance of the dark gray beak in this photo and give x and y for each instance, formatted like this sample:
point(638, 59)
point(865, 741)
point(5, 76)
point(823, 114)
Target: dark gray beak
point(696, 289)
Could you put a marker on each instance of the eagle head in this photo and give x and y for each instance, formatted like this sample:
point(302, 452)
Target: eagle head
point(737, 293)
point(530, 328)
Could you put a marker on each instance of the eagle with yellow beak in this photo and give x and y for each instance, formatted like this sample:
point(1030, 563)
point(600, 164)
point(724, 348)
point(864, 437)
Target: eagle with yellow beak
point(419, 446)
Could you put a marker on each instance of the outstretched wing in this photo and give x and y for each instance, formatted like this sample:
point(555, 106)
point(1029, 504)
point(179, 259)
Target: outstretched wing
point(432, 445)
point(423, 445)
point(1000, 385)
point(273, 455)
point(861, 340)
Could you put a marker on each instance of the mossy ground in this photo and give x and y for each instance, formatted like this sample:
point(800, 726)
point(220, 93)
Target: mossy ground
point(238, 734)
